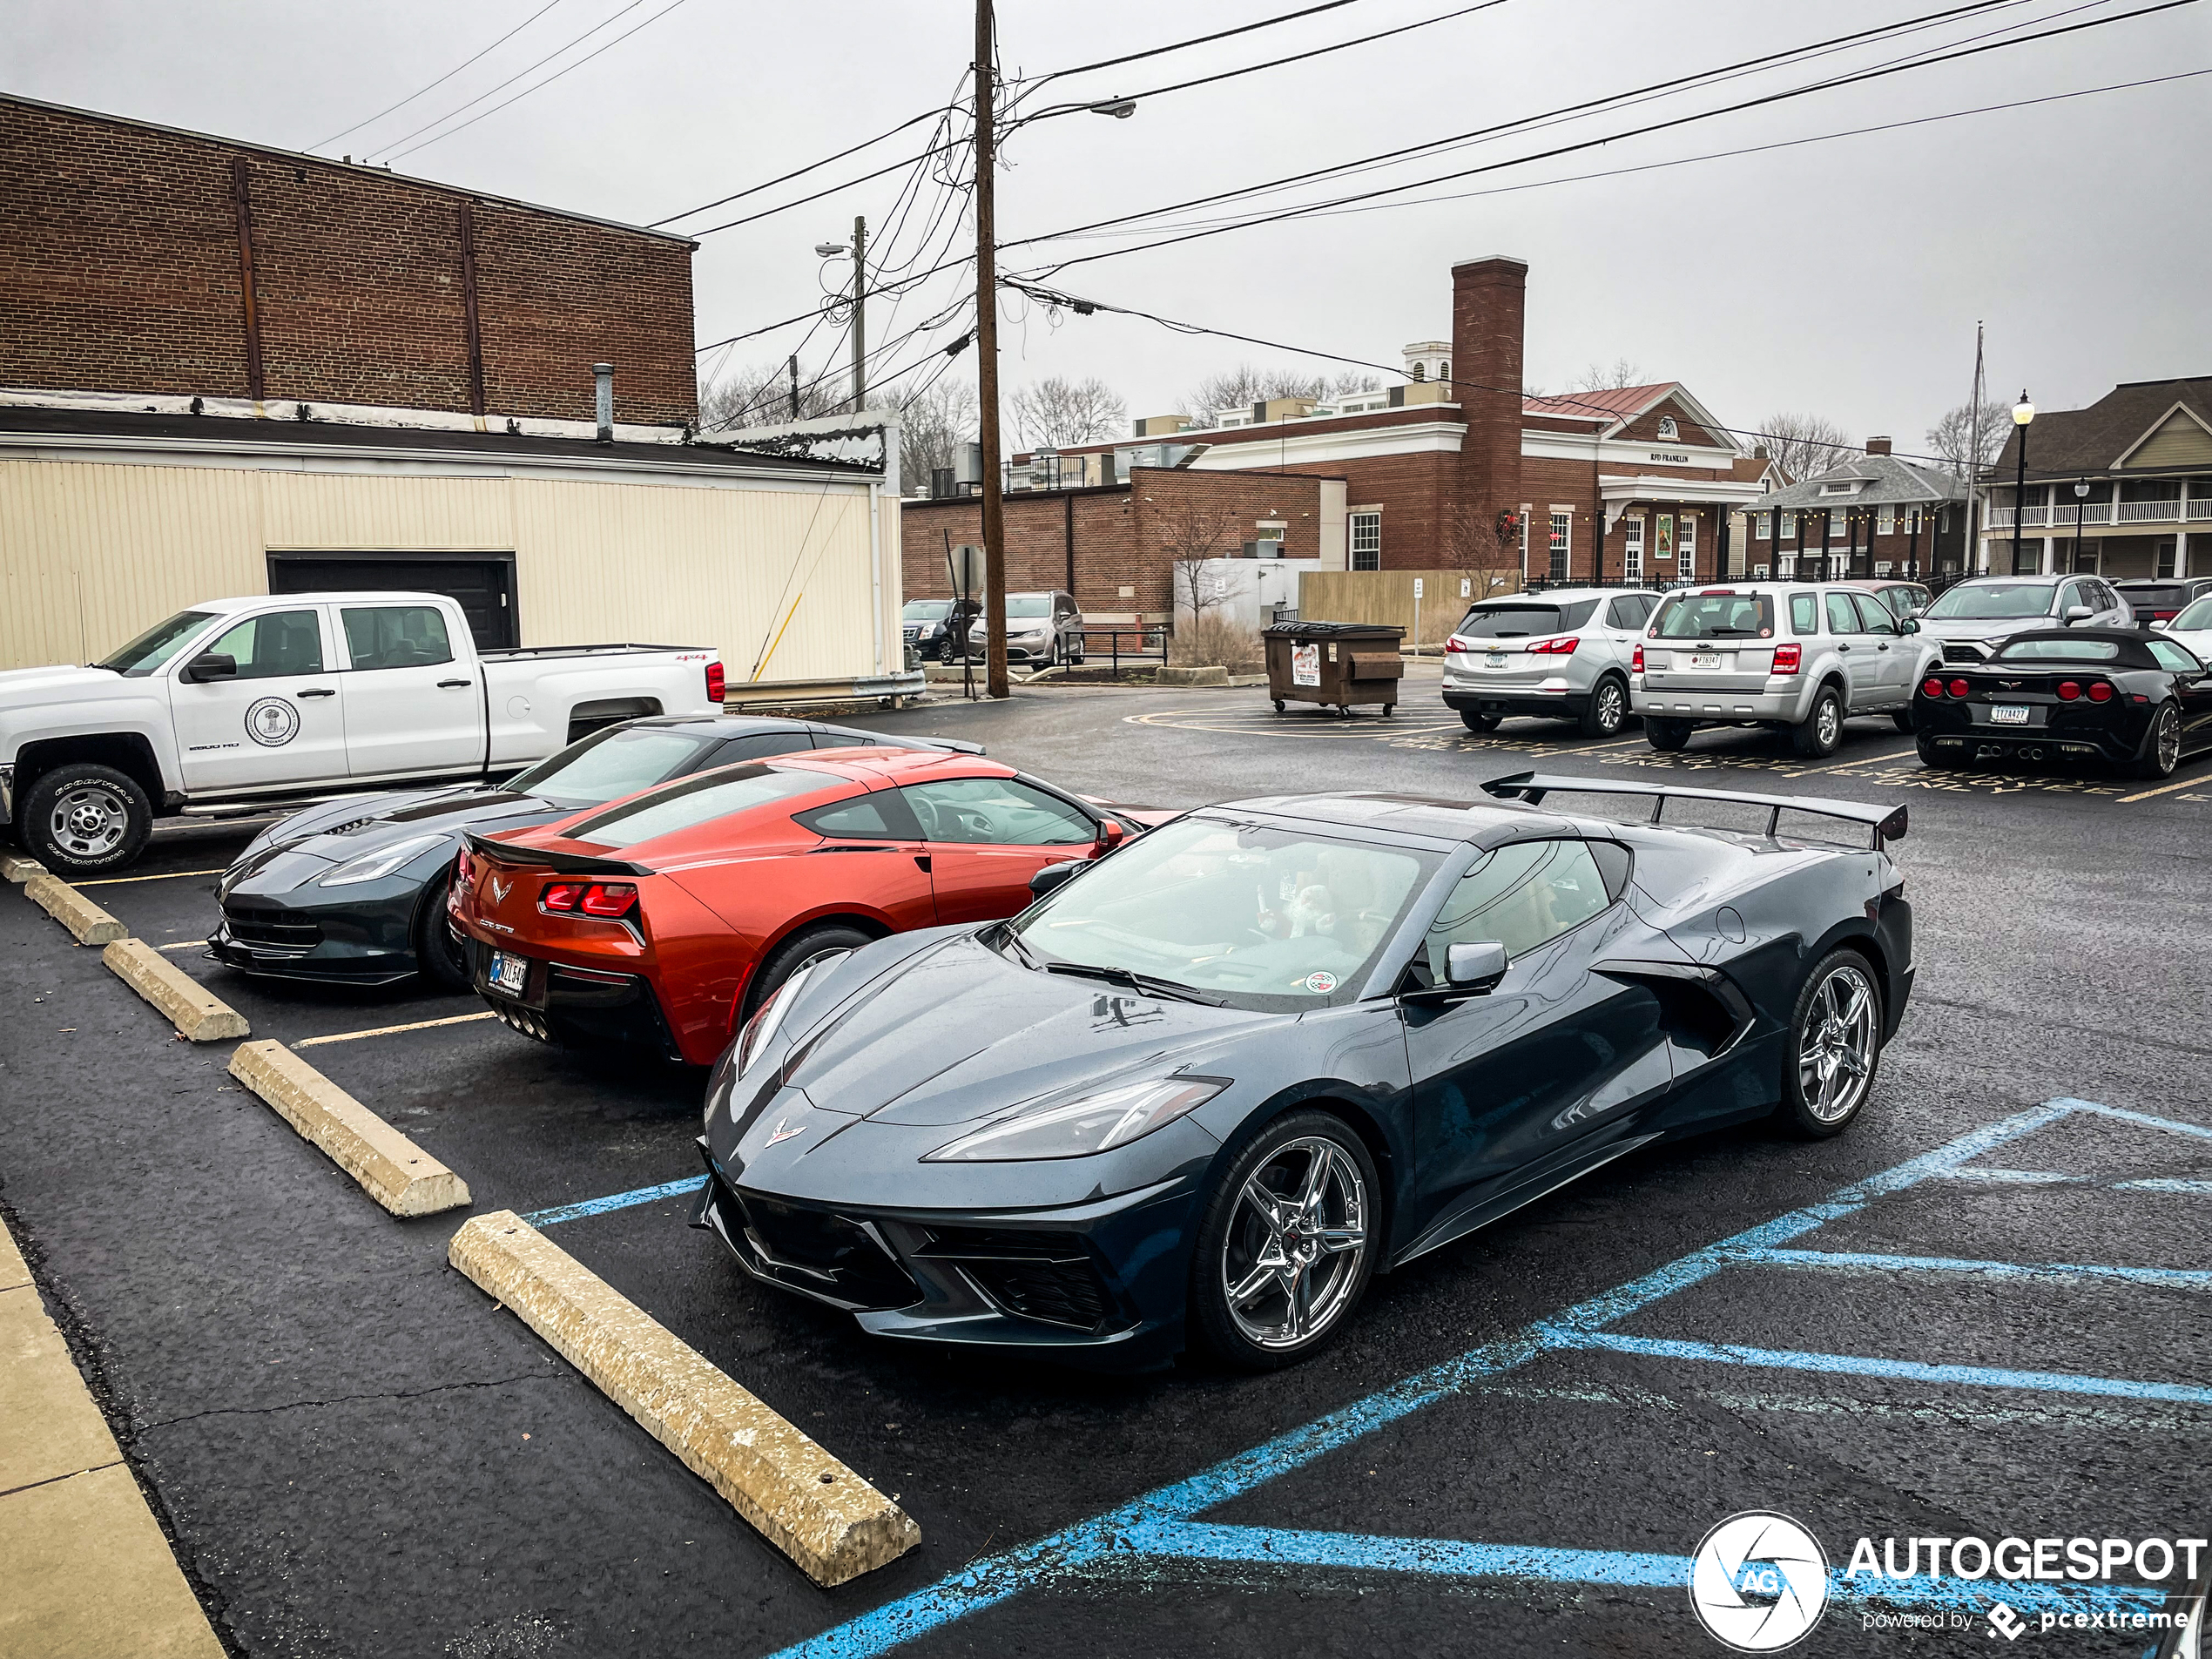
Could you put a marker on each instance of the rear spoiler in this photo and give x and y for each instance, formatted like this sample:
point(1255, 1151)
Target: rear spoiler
point(538, 858)
point(1888, 824)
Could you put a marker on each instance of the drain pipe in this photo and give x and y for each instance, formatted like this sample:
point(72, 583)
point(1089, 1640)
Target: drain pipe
point(603, 376)
point(875, 570)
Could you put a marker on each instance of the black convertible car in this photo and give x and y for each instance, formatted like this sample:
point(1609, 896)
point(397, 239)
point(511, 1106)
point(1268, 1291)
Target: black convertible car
point(353, 891)
point(2129, 696)
point(1204, 1087)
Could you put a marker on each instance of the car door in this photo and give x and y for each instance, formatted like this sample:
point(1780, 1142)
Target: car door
point(985, 837)
point(280, 719)
point(1854, 648)
point(1624, 620)
point(1507, 1084)
point(876, 855)
point(410, 708)
point(2192, 691)
point(1895, 663)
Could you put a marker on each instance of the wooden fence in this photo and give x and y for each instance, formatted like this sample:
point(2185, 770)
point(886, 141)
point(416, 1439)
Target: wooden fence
point(1387, 597)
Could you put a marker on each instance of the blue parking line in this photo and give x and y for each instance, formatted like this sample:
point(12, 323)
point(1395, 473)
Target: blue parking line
point(1152, 1527)
point(2039, 1272)
point(2165, 1183)
point(682, 1188)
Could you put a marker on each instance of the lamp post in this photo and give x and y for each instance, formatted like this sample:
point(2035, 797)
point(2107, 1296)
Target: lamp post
point(2023, 413)
point(859, 248)
point(2081, 500)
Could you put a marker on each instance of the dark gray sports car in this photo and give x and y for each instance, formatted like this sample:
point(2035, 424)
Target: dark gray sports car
point(1208, 1086)
point(353, 891)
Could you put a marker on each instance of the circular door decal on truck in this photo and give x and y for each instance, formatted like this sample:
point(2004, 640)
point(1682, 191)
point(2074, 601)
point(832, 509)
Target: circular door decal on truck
point(272, 722)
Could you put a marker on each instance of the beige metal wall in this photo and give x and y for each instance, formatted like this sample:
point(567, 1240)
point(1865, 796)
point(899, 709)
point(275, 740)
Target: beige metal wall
point(1387, 597)
point(91, 553)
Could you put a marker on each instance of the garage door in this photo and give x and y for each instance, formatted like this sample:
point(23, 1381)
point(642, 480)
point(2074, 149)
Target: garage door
point(482, 585)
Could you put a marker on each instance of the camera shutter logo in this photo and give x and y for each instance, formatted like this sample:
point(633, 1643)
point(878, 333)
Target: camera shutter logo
point(1758, 1582)
point(272, 722)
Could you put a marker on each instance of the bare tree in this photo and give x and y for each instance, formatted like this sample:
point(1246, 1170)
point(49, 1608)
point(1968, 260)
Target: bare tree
point(1487, 547)
point(1604, 377)
point(760, 394)
point(1054, 413)
point(1804, 445)
point(1963, 448)
point(1247, 384)
point(1190, 534)
point(932, 424)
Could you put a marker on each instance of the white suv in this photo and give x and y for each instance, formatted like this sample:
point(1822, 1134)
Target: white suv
point(1562, 652)
point(1798, 656)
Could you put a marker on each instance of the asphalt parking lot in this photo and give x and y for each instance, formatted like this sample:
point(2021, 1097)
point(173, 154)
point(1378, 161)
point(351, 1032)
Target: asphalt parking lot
point(1510, 1451)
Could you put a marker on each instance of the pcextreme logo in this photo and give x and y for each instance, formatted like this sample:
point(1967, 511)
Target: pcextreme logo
point(1758, 1582)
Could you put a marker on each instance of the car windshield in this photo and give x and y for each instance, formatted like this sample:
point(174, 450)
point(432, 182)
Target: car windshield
point(1517, 622)
point(926, 610)
point(1029, 605)
point(611, 763)
point(1260, 918)
point(147, 653)
point(2197, 615)
point(1991, 602)
point(2061, 650)
point(720, 793)
point(1716, 615)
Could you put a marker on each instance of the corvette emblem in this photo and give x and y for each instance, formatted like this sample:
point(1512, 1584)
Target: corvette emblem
point(500, 885)
point(786, 1129)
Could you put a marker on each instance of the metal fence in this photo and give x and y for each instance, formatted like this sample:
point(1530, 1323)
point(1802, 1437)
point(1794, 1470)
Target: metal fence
point(1129, 643)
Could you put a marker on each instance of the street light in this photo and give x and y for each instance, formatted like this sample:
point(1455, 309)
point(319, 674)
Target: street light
point(2080, 499)
point(1120, 108)
point(2023, 412)
point(859, 249)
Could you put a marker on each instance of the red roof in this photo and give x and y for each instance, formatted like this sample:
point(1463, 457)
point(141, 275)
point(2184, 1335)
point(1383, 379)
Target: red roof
point(1618, 402)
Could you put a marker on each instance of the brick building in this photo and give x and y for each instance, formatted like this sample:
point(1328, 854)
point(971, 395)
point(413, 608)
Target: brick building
point(144, 259)
point(1867, 516)
point(1113, 546)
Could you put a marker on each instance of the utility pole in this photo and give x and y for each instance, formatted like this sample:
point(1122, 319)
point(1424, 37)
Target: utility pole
point(987, 365)
point(1969, 553)
point(859, 314)
point(794, 385)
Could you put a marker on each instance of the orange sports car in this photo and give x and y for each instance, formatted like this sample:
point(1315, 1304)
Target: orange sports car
point(664, 920)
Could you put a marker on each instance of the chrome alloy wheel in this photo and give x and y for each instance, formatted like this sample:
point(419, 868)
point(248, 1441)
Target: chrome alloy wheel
point(2167, 741)
point(1827, 724)
point(1612, 706)
point(90, 821)
point(1291, 1255)
point(1835, 1055)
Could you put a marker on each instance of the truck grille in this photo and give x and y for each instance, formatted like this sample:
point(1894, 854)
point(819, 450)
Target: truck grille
point(263, 924)
point(1048, 1276)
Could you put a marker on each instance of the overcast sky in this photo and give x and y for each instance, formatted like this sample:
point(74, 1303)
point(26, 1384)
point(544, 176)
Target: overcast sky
point(1843, 278)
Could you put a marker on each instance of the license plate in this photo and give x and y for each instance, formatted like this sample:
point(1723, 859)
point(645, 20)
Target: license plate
point(1495, 659)
point(2008, 714)
point(1704, 660)
point(509, 973)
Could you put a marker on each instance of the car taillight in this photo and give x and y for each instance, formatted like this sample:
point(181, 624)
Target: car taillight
point(607, 900)
point(1789, 658)
point(2068, 690)
point(1960, 688)
point(1456, 642)
point(2100, 692)
point(2164, 616)
point(717, 684)
point(561, 896)
point(464, 870)
point(1562, 646)
point(1931, 687)
point(1635, 663)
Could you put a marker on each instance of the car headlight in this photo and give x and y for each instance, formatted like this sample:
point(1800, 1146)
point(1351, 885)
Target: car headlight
point(1092, 1123)
point(753, 1042)
point(375, 867)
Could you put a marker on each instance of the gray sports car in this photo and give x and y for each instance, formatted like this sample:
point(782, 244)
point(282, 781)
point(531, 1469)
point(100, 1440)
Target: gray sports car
point(353, 891)
point(1207, 1086)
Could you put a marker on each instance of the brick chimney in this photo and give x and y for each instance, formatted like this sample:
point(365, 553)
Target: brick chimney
point(1878, 446)
point(1489, 302)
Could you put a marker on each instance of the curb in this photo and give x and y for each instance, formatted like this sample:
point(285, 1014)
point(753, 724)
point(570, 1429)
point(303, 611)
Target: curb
point(391, 1169)
point(198, 1016)
point(92, 925)
point(14, 869)
point(830, 1522)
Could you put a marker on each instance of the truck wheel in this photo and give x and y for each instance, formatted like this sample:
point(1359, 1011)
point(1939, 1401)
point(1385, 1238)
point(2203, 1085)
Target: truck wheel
point(1607, 711)
point(81, 819)
point(1664, 735)
point(438, 955)
point(1821, 733)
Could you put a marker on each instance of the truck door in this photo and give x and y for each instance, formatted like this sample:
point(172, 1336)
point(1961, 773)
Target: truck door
point(280, 719)
point(410, 707)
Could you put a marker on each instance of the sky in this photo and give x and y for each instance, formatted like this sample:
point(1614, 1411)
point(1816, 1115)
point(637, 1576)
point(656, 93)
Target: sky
point(1841, 277)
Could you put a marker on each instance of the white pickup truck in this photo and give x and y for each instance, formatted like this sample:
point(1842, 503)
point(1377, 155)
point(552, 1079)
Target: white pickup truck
point(280, 699)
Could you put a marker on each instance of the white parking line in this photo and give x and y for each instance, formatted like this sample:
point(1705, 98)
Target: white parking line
point(389, 1030)
point(166, 876)
point(1862, 760)
point(183, 944)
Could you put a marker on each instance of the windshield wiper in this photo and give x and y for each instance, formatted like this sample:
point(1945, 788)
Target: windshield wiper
point(1143, 984)
point(1029, 958)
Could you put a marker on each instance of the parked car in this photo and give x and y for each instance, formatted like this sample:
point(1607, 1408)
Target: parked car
point(272, 699)
point(1798, 657)
point(1563, 652)
point(2192, 627)
point(1971, 619)
point(935, 627)
point(2140, 699)
point(1205, 1089)
point(664, 920)
point(353, 891)
point(2156, 599)
point(1904, 598)
point(1042, 628)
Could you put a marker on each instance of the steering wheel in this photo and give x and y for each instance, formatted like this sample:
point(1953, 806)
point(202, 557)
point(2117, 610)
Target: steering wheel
point(925, 811)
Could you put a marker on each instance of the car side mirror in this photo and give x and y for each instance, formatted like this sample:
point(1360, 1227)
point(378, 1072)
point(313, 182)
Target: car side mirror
point(1053, 875)
point(211, 666)
point(1476, 967)
point(1110, 835)
point(1909, 625)
point(2078, 614)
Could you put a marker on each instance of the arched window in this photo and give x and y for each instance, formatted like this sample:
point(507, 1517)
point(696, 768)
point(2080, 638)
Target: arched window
point(1417, 373)
point(1444, 370)
point(1667, 428)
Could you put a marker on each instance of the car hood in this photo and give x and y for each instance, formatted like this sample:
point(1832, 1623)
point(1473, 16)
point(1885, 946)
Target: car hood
point(19, 686)
point(957, 1033)
point(307, 843)
point(1979, 628)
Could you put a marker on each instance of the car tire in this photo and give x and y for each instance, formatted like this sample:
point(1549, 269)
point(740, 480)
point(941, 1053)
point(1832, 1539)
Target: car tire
point(1607, 709)
point(83, 820)
point(1336, 1232)
point(1664, 735)
point(1821, 733)
point(2161, 745)
point(1472, 719)
point(1835, 1047)
point(1903, 717)
point(439, 957)
point(793, 954)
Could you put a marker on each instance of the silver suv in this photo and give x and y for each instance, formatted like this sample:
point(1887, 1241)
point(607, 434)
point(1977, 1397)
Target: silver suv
point(1562, 652)
point(1043, 628)
point(1972, 619)
point(1798, 655)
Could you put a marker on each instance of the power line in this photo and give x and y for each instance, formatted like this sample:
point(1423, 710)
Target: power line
point(442, 79)
point(1197, 40)
point(769, 184)
point(785, 322)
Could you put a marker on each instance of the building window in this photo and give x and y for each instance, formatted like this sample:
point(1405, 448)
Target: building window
point(1668, 429)
point(2028, 561)
point(1444, 370)
point(1686, 548)
point(2165, 557)
point(1562, 540)
point(1367, 540)
point(1765, 531)
point(1523, 539)
point(1885, 522)
point(1419, 373)
point(1837, 524)
point(1632, 558)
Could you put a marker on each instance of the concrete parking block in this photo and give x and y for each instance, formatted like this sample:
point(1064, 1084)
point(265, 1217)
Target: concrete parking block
point(89, 1573)
point(391, 1169)
point(92, 925)
point(14, 869)
point(828, 1520)
point(196, 1012)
